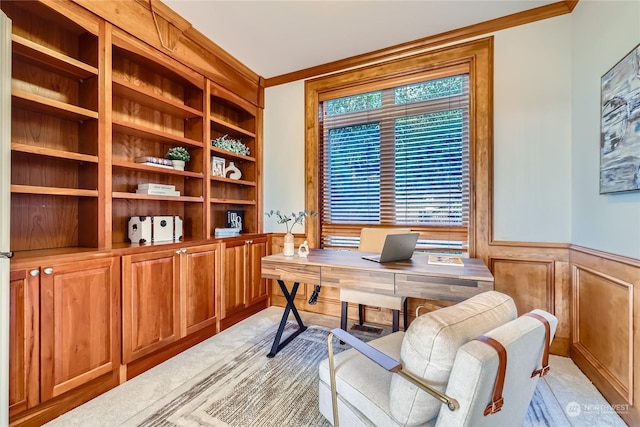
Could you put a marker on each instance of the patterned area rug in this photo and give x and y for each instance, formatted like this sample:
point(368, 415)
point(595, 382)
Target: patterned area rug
point(249, 389)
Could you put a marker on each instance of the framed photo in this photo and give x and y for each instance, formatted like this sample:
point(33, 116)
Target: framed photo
point(620, 126)
point(235, 219)
point(217, 166)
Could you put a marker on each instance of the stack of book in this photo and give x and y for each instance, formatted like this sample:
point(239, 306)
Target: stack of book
point(155, 161)
point(227, 232)
point(157, 189)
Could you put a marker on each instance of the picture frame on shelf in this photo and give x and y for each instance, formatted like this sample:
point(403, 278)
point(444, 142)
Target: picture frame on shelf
point(217, 166)
point(619, 122)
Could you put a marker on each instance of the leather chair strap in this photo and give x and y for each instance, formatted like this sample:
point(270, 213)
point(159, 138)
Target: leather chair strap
point(496, 400)
point(545, 353)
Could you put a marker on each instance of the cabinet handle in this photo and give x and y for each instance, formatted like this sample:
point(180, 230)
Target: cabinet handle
point(48, 270)
point(34, 273)
point(184, 251)
point(248, 242)
point(178, 251)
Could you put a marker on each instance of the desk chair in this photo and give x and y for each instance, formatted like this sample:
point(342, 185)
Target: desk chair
point(444, 357)
point(372, 240)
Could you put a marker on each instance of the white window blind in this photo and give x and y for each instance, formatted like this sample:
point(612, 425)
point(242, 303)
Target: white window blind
point(397, 157)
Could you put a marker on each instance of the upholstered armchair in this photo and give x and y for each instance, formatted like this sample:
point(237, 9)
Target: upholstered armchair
point(445, 370)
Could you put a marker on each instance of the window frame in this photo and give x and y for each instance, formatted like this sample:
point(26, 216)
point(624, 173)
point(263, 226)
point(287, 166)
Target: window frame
point(476, 57)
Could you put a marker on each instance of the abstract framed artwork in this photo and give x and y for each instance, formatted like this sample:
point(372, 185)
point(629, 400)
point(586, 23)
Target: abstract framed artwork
point(620, 126)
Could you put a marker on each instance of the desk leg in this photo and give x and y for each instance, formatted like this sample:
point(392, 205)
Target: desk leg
point(277, 345)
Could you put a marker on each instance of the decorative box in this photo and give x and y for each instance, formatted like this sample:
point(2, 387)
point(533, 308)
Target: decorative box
point(147, 229)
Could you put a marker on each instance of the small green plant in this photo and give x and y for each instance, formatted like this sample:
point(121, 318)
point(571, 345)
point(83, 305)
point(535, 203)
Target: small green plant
point(228, 144)
point(297, 218)
point(178, 153)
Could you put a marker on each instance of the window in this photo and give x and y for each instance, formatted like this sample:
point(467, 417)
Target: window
point(418, 87)
point(397, 156)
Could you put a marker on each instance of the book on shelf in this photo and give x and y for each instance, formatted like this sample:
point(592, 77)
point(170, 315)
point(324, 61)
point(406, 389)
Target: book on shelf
point(227, 232)
point(154, 160)
point(154, 186)
point(445, 260)
point(158, 192)
point(156, 165)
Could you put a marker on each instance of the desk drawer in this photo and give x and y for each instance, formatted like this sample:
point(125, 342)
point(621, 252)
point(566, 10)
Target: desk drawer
point(439, 288)
point(291, 272)
point(361, 280)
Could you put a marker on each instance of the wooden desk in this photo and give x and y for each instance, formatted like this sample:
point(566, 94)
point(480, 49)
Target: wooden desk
point(346, 269)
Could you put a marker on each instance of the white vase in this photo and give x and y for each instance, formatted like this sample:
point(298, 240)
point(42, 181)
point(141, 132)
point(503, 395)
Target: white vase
point(289, 248)
point(235, 172)
point(178, 164)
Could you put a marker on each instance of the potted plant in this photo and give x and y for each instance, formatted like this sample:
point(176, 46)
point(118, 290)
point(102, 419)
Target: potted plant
point(179, 156)
point(297, 218)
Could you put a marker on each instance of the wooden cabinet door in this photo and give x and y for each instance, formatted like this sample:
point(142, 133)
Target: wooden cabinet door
point(79, 324)
point(24, 341)
point(256, 285)
point(150, 302)
point(233, 277)
point(200, 265)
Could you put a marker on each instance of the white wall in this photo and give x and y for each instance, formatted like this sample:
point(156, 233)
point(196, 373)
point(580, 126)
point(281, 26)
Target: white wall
point(545, 133)
point(603, 32)
point(284, 152)
point(532, 132)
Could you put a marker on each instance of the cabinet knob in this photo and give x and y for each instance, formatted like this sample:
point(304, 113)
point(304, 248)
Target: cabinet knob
point(48, 270)
point(34, 273)
point(178, 251)
point(248, 242)
point(184, 251)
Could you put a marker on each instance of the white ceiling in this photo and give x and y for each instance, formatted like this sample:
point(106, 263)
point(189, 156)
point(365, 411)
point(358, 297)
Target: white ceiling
point(278, 37)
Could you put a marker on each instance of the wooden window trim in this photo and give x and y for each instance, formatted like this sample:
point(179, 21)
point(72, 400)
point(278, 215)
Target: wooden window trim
point(478, 55)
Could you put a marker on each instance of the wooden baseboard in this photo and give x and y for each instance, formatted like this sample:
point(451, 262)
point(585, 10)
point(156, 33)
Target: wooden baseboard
point(145, 363)
point(629, 413)
point(241, 315)
point(57, 406)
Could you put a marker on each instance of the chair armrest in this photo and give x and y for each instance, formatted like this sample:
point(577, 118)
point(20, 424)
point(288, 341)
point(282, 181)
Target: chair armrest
point(388, 363)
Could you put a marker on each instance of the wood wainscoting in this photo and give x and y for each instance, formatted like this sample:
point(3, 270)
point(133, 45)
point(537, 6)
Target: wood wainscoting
point(604, 336)
point(592, 293)
point(535, 276)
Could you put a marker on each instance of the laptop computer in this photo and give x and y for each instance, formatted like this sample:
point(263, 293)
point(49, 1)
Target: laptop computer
point(397, 247)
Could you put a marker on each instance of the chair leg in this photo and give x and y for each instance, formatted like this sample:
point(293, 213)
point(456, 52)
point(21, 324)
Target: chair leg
point(361, 314)
point(396, 321)
point(404, 316)
point(343, 316)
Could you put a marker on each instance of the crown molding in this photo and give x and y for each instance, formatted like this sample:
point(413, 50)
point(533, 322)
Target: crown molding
point(412, 47)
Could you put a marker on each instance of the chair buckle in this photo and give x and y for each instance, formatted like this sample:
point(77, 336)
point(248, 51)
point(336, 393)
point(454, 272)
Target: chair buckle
point(493, 407)
point(541, 372)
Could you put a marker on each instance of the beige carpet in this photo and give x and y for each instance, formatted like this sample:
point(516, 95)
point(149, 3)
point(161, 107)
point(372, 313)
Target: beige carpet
point(227, 380)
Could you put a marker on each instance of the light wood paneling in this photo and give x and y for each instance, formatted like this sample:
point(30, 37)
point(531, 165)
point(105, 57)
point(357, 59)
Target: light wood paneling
point(529, 282)
point(605, 303)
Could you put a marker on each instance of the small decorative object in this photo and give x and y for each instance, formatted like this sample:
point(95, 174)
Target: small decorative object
point(147, 229)
point(228, 144)
point(303, 250)
point(620, 122)
point(235, 172)
point(179, 156)
point(297, 218)
point(217, 166)
point(235, 218)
